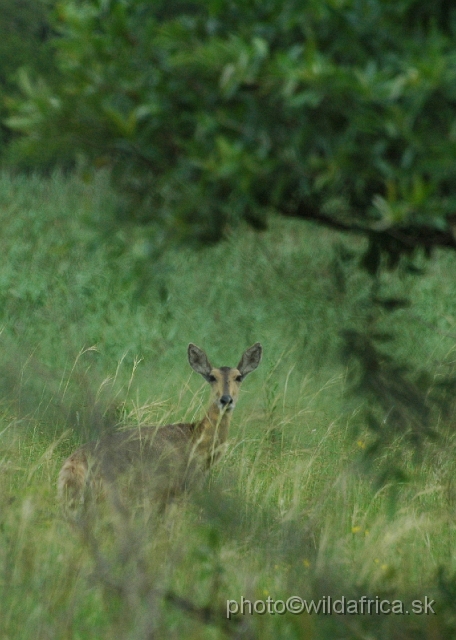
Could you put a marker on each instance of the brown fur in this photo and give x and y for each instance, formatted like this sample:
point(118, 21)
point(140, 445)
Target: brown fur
point(161, 461)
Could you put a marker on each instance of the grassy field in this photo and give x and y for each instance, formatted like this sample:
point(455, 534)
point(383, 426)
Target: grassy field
point(94, 330)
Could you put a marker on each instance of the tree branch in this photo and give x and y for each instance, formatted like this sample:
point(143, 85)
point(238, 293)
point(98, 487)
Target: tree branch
point(410, 236)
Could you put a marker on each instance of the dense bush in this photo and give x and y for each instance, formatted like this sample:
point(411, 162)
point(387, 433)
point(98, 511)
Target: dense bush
point(24, 36)
point(212, 112)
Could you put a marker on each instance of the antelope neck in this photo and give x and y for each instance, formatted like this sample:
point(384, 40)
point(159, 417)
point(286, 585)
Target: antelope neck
point(215, 424)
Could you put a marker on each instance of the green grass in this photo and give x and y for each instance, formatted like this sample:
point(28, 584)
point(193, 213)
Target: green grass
point(94, 333)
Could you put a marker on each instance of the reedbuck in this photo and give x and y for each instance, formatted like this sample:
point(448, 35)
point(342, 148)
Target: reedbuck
point(159, 462)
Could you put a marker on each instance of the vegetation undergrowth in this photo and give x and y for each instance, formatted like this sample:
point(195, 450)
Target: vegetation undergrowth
point(94, 334)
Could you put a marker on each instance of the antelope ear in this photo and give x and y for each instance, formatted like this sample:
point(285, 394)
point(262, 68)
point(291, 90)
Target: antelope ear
point(198, 361)
point(250, 359)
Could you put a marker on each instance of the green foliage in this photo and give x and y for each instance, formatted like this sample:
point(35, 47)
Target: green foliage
point(24, 35)
point(209, 113)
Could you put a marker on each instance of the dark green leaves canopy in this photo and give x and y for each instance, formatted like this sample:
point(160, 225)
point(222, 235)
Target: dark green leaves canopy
point(212, 112)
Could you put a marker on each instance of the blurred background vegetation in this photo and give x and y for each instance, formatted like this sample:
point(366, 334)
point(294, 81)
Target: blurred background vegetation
point(225, 173)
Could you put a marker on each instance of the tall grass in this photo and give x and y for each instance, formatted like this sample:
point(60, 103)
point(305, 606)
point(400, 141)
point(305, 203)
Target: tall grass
point(94, 334)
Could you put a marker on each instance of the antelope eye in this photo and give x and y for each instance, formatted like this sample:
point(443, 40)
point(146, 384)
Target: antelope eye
point(211, 378)
point(238, 378)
